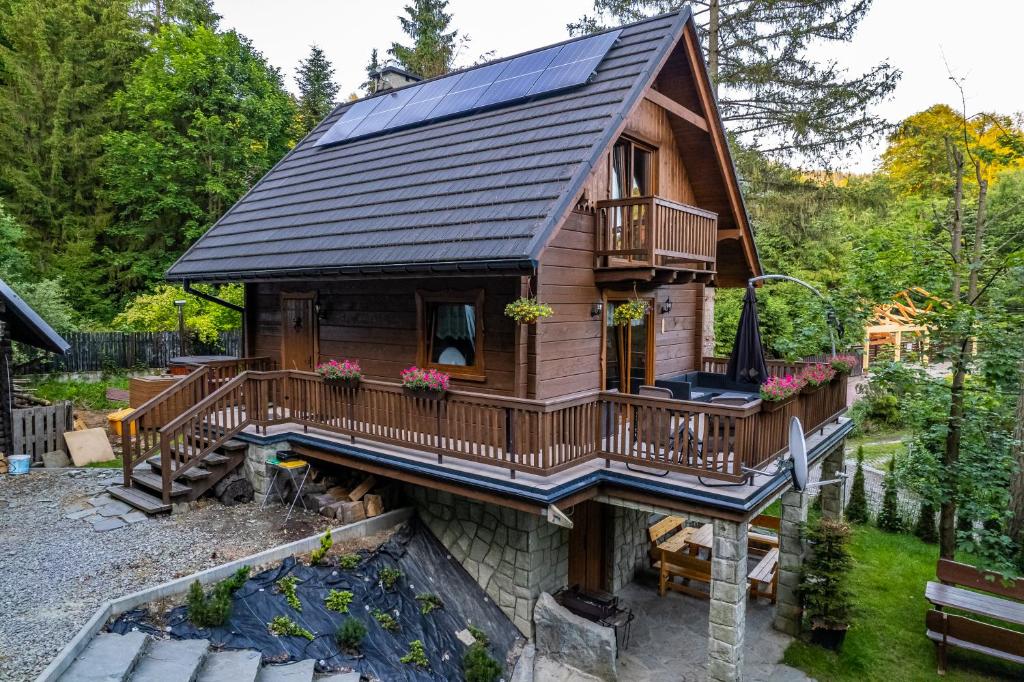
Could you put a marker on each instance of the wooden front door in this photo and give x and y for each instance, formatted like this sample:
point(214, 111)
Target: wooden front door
point(298, 332)
point(587, 546)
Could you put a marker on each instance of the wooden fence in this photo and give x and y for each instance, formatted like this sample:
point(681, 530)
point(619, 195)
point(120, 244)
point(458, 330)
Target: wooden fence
point(99, 351)
point(41, 429)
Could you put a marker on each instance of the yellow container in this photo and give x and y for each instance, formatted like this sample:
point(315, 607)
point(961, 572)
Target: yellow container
point(114, 419)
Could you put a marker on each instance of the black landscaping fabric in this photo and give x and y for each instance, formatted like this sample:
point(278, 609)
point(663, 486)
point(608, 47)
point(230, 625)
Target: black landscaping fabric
point(426, 568)
point(746, 364)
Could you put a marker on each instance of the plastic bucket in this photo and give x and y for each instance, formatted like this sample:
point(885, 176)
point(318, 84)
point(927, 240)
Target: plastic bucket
point(19, 464)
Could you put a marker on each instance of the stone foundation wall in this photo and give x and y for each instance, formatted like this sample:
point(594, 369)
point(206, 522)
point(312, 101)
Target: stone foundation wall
point(513, 555)
point(629, 545)
point(255, 466)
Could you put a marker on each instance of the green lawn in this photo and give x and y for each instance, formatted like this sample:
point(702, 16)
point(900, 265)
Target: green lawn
point(878, 452)
point(89, 395)
point(886, 641)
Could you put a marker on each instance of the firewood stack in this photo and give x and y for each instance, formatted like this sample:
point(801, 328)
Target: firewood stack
point(347, 501)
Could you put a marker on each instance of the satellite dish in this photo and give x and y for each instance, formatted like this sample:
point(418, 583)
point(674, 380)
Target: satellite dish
point(798, 454)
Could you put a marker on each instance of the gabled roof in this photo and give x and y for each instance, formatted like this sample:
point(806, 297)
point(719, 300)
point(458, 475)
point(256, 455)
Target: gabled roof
point(25, 325)
point(481, 191)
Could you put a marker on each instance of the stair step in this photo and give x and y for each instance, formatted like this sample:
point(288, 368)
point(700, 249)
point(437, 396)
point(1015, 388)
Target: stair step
point(172, 660)
point(212, 459)
point(195, 473)
point(109, 657)
point(290, 672)
point(140, 499)
point(154, 482)
point(233, 445)
point(231, 666)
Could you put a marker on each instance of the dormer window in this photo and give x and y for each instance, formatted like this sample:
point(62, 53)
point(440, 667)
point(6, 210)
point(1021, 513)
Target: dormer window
point(632, 167)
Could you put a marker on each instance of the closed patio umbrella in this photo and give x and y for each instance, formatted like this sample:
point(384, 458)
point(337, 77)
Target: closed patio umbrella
point(746, 364)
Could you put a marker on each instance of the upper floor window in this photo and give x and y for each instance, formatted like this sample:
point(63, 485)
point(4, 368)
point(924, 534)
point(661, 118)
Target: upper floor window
point(632, 167)
point(451, 332)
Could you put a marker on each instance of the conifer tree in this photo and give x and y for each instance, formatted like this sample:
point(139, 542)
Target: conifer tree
point(317, 89)
point(434, 47)
point(857, 509)
point(373, 67)
point(771, 91)
point(925, 527)
point(888, 517)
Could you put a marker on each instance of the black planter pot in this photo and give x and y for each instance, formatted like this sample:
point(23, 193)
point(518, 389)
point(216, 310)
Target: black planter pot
point(343, 383)
point(828, 638)
point(425, 394)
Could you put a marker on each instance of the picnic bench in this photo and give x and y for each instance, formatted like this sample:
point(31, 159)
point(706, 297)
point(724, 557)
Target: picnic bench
point(765, 573)
point(974, 593)
point(678, 556)
point(757, 539)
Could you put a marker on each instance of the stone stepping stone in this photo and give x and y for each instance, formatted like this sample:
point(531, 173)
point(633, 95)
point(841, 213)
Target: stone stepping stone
point(114, 508)
point(172, 660)
point(292, 672)
point(134, 516)
point(100, 500)
point(105, 524)
point(231, 666)
point(81, 514)
point(109, 657)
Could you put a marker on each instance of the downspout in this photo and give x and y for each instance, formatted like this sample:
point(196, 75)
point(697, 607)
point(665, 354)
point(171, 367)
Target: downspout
point(187, 286)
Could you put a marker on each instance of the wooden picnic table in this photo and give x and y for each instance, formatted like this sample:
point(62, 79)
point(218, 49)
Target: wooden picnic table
point(950, 596)
point(694, 537)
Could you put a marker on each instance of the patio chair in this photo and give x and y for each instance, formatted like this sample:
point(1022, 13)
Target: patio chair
point(690, 453)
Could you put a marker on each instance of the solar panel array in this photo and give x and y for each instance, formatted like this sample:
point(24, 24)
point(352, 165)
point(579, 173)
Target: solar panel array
point(549, 70)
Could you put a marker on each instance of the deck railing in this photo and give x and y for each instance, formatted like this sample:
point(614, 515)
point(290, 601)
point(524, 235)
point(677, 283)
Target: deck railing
point(651, 231)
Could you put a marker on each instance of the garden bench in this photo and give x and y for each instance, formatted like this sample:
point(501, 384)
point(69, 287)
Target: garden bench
point(670, 525)
point(975, 593)
point(759, 541)
point(766, 572)
point(683, 565)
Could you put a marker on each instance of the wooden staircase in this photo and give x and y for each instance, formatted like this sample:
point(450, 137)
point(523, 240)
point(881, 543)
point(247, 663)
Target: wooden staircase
point(190, 424)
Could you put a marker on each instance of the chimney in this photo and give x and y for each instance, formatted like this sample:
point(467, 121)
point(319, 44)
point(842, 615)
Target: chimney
point(393, 77)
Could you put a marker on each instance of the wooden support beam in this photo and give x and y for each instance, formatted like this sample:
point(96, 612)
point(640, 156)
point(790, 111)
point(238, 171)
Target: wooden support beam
point(674, 107)
point(728, 234)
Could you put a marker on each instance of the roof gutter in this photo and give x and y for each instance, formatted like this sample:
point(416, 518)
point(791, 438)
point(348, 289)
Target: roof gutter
point(511, 266)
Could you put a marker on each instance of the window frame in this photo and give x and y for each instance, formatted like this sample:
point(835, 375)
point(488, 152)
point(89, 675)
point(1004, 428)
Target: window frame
point(633, 143)
point(475, 297)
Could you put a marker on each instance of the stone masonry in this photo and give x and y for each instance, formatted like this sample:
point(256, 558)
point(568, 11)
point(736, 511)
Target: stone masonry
point(727, 618)
point(513, 555)
point(832, 494)
point(791, 552)
point(628, 535)
point(256, 465)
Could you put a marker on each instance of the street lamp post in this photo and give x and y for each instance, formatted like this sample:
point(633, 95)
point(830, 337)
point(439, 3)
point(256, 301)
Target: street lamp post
point(182, 345)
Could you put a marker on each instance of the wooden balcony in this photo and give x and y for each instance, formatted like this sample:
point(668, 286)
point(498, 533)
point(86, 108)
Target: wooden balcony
point(541, 438)
point(651, 233)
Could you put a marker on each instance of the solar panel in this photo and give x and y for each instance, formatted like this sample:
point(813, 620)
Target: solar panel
point(548, 70)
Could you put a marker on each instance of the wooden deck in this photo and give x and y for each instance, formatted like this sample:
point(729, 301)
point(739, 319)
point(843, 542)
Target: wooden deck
point(520, 437)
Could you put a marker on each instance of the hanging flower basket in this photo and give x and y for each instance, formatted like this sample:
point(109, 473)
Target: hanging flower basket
point(429, 383)
point(527, 310)
point(776, 392)
point(346, 373)
point(844, 364)
point(817, 376)
point(631, 311)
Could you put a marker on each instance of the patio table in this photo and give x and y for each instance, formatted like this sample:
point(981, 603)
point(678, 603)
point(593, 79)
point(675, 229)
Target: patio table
point(696, 538)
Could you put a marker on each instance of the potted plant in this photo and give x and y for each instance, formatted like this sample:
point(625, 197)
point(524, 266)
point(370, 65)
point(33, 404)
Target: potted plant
point(779, 391)
point(823, 582)
point(844, 364)
point(817, 376)
point(527, 310)
point(425, 383)
point(344, 373)
point(631, 311)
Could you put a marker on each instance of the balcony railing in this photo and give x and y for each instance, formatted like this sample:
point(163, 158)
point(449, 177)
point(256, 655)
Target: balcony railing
point(529, 436)
point(651, 231)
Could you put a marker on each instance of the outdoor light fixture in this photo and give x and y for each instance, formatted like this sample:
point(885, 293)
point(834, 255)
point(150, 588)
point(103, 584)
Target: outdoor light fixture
point(322, 310)
point(595, 310)
point(666, 307)
point(182, 338)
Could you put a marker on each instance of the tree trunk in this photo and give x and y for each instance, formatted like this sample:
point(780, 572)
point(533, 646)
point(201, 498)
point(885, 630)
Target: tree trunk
point(951, 454)
point(713, 44)
point(1017, 483)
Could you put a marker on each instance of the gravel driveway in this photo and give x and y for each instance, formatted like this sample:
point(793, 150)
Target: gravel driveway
point(55, 571)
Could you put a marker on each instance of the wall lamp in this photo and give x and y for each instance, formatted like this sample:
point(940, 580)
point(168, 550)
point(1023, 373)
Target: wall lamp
point(666, 307)
point(596, 308)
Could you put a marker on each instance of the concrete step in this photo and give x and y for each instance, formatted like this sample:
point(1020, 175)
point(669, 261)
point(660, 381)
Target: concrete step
point(290, 672)
point(140, 499)
point(231, 666)
point(109, 657)
point(340, 677)
point(172, 660)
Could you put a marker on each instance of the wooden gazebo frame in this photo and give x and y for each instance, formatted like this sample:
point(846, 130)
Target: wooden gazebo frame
point(893, 320)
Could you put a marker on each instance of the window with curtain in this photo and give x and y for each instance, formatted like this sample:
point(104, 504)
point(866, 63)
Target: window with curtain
point(451, 334)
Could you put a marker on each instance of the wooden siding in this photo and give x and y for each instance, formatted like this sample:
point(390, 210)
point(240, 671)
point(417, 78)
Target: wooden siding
point(374, 321)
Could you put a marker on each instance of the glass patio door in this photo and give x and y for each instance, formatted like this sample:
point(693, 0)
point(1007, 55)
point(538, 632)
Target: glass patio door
point(628, 360)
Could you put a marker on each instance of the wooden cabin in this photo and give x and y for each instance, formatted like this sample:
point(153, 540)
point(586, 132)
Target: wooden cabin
point(584, 174)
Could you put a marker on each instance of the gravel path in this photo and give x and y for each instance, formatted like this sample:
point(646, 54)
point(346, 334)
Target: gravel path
point(55, 571)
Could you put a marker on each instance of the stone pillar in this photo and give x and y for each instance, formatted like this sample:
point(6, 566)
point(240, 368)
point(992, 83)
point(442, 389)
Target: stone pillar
point(791, 555)
point(707, 343)
point(832, 494)
point(629, 545)
point(728, 611)
point(255, 467)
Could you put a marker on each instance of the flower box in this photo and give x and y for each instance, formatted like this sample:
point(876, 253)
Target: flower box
point(346, 373)
point(776, 405)
point(430, 383)
point(424, 393)
point(343, 382)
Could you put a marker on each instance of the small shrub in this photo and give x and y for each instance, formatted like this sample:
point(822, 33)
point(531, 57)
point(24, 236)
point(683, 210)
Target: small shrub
point(823, 581)
point(857, 509)
point(350, 634)
point(349, 561)
point(889, 517)
point(235, 582)
point(386, 620)
point(417, 655)
point(338, 600)
point(925, 527)
point(389, 577)
point(283, 626)
point(287, 587)
point(213, 610)
point(478, 666)
point(318, 554)
point(479, 635)
point(428, 603)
